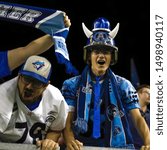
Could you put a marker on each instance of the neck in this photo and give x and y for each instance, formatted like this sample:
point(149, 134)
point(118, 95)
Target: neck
point(143, 107)
point(37, 99)
point(98, 73)
point(93, 76)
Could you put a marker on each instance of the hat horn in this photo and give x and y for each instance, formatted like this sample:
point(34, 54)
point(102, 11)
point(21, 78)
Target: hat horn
point(87, 32)
point(114, 32)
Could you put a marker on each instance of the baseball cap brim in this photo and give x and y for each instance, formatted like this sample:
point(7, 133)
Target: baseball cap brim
point(34, 75)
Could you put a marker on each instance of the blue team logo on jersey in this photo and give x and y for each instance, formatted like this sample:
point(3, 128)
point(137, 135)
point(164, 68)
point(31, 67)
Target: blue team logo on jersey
point(111, 112)
point(117, 130)
point(38, 65)
point(87, 89)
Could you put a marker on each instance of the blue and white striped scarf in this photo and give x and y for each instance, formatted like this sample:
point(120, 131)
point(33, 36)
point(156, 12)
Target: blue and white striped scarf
point(47, 20)
point(117, 137)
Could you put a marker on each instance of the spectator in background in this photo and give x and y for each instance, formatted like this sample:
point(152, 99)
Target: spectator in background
point(144, 101)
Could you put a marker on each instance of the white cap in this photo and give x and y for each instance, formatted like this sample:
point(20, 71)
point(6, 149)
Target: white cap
point(37, 67)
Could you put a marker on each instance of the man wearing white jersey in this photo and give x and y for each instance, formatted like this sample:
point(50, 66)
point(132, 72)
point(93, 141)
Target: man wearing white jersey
point(32, 110)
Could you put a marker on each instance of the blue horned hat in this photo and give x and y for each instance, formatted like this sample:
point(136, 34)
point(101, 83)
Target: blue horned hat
point(101, 38)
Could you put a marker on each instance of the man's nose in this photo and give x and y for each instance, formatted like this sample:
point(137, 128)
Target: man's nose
point(101, 54)
point(30, 85)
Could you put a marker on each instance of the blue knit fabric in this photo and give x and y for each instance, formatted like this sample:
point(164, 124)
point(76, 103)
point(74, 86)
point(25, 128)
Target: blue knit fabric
point(96, 120)
point(49, 21)
point(121, 96)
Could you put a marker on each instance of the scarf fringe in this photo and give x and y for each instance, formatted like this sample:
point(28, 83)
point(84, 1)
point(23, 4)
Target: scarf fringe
point(80, 125)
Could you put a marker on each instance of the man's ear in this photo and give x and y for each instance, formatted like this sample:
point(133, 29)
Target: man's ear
point(89, 59)
point(19, 75)
point(46, 85)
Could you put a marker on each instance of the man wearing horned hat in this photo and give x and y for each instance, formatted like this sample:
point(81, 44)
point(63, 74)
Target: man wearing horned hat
point(99, 100)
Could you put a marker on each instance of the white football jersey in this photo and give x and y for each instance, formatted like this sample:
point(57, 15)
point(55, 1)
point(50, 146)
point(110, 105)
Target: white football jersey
point(18, 124)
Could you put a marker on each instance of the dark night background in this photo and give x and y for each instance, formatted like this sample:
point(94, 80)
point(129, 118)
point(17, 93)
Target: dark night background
point(132, 40)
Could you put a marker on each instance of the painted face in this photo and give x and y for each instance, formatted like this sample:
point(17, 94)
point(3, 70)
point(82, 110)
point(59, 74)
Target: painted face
point(30, 89)
point(100, 61)
point(144, 95)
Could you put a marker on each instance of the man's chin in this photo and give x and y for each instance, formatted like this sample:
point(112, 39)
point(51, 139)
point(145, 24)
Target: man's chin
point(102, 69)
point(27, 99)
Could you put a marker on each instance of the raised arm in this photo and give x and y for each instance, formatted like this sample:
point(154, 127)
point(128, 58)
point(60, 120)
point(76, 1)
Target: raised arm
point(18, 55)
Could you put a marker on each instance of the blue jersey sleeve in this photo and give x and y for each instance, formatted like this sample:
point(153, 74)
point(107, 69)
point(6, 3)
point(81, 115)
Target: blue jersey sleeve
point(69, 90)
point(129, 95)
point(4, 67)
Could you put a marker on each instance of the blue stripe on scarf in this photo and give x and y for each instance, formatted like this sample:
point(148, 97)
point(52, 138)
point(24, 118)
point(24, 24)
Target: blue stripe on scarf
point(86, 93)
point(127, 135)
point(88, 98)
point(47, 20)
point(27, 15)
point(117, 133)
point(83, 103)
